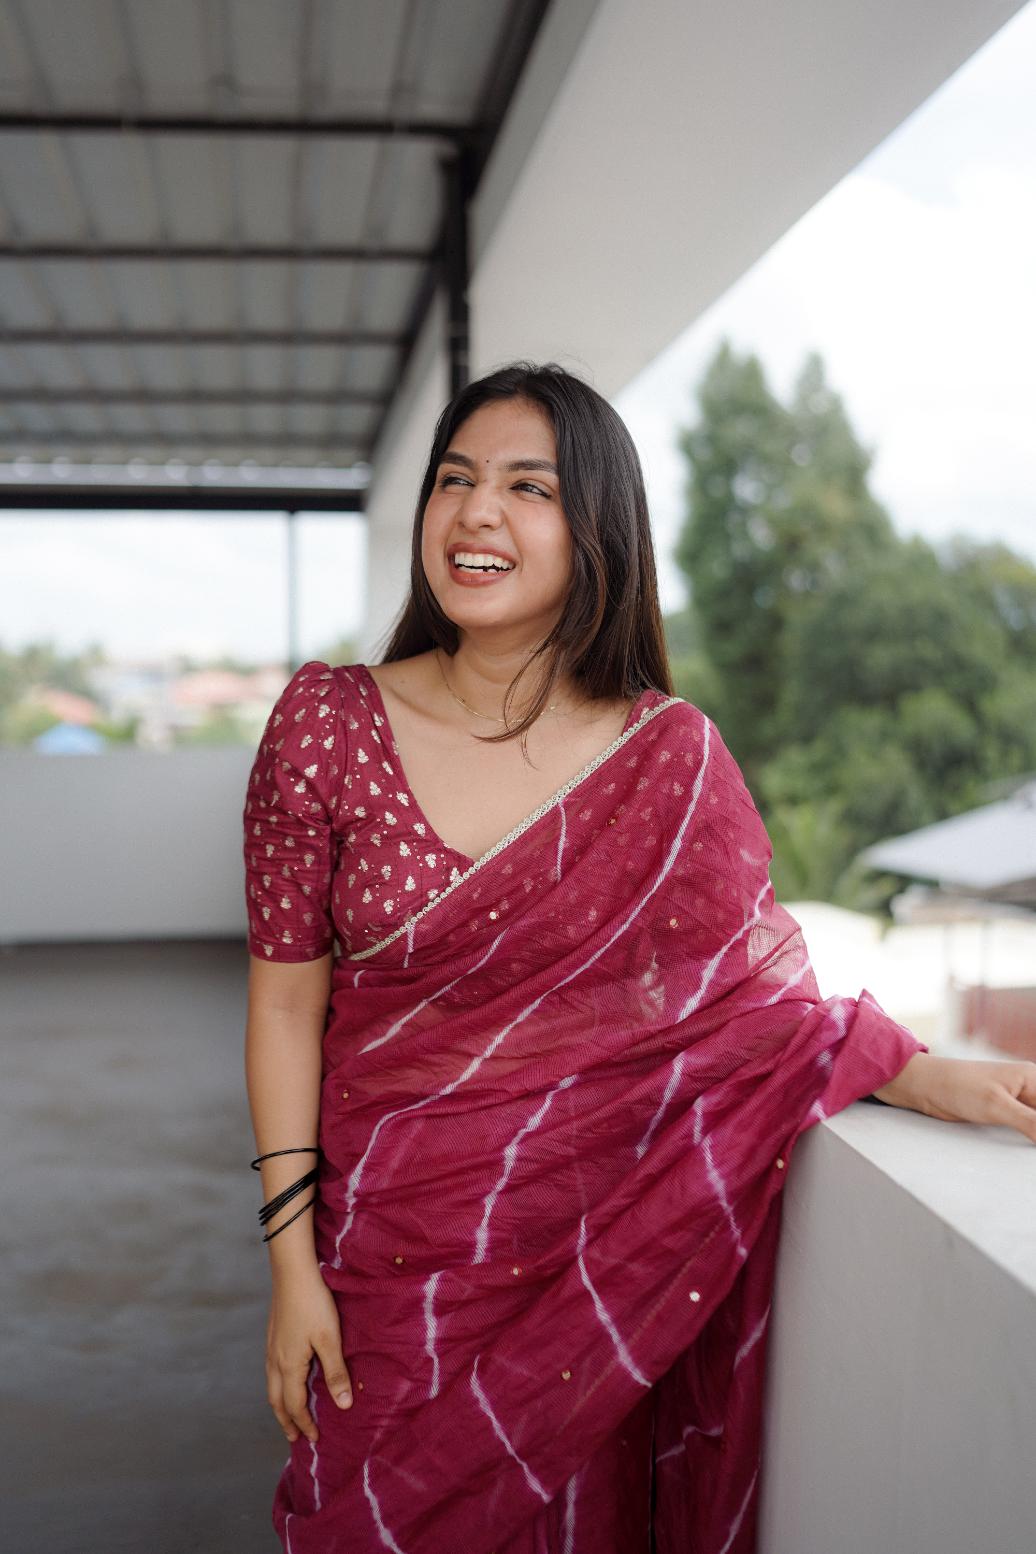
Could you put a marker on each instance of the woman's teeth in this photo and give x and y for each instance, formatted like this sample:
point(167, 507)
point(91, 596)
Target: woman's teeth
point(474, 564)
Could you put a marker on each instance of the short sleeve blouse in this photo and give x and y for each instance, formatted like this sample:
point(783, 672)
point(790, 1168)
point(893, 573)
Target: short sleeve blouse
point(290, 840)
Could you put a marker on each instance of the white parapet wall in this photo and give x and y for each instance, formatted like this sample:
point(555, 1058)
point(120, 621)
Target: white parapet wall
point(901, 1398)
point(128, 844)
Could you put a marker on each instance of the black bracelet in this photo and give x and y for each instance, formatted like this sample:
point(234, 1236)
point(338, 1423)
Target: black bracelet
point(287, 1222)
point(284, 1197)
point(303, 1149)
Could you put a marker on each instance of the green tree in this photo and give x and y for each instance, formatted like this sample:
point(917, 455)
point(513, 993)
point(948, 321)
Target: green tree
point(898, 623)
point(779, 511)
point(867, 684)
point(738, 458)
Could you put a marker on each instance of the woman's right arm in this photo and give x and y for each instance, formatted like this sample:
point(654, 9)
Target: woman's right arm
point(287, 1011)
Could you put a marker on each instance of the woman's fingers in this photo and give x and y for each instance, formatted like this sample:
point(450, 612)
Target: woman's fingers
point(275, 1396)
point(287, 1394)
point(980, 1090)
point(295, 1402)
point(1015, 1100)
point(332, 1363)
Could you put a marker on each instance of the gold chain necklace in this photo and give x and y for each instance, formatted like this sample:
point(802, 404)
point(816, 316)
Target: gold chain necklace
point(474, 710)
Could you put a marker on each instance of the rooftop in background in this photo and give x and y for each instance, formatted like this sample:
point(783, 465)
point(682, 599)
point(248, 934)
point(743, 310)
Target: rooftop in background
point(989, 852)
point(177, 484)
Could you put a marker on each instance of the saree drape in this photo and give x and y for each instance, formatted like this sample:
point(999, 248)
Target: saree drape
point(559, 1104)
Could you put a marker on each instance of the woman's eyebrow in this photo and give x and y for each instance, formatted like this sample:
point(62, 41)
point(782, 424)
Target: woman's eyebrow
point(451, 456)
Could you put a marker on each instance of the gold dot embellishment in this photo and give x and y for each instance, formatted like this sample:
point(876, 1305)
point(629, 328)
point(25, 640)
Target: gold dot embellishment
point(345, 1095)
point(780, 1163)
point(674, 922)
point(611, 821)
point(566, 1375)
point(360, 1385)
point(494, 913)
point(516, 1269)
point(398, 1258)
point(694, 1295)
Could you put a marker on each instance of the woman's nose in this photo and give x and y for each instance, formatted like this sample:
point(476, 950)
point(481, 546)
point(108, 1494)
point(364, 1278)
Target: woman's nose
point(482, 501)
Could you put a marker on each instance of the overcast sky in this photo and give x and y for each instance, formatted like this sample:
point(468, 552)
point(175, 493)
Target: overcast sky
point(936, 366)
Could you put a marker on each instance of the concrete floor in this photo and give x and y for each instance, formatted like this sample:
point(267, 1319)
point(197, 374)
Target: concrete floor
point(132, 1276)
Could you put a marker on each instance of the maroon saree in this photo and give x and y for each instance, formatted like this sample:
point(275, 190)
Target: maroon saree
point(561, 1094)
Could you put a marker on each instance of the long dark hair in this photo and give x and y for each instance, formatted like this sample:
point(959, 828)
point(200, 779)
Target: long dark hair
point(608, 636)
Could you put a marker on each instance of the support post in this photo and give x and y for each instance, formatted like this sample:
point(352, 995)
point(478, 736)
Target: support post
point(292, 581)
point(457, 185)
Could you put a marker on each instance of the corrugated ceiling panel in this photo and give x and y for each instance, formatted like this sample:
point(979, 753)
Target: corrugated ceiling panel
point(174, 47)
point(240, 58)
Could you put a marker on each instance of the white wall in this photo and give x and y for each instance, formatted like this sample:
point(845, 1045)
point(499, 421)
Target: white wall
point(901, 1401)
point(128, 844)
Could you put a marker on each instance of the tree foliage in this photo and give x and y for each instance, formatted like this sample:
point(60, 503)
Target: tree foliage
point(867, 683)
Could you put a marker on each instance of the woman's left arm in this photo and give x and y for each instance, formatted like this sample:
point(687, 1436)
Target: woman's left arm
point(967, 1090)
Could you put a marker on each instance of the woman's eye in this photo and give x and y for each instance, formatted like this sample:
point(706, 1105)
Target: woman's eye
point(525, 485)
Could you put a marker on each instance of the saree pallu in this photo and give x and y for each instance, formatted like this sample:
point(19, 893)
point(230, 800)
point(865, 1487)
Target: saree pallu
point(558, 1107)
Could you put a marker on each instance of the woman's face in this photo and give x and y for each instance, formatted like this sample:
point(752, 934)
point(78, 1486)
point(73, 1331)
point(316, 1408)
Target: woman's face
point(496, 489)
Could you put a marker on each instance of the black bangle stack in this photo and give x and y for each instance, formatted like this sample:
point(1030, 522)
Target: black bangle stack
point(284, 1197)
point(268, 1210)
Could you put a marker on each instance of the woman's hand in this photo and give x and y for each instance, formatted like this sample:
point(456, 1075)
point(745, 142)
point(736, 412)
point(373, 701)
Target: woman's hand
point(303, 1322)
point(967, 1090)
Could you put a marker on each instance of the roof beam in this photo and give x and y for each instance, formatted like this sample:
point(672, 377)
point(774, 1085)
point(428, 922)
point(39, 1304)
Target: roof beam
point(17, 444)
point(58, 497)
point(308, 253)
point(241, 125)
point(244, 336)
point(230, 396)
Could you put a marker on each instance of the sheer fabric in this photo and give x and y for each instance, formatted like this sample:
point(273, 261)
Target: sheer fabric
point(561, 1093)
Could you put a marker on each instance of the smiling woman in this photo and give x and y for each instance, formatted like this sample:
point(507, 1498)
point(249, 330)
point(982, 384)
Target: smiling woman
point(545, 1027)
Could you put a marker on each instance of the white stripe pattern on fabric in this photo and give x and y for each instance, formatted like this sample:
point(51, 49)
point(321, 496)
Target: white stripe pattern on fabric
point(604, 1314)
point(569, 1527)
point(752, 1339)
point(687, 1430)
point(505, 841)
point(501, 1433)
point(425, 1100)
point(677, 1069)
point(430, 1331)
point(713, 966)
point(790, 983)
point(387, 1540)
point(510, 1155)
point(736, 1523)
point(523, 1014)
point(313, 1445)
point(394, 1030)
point(716, 1177)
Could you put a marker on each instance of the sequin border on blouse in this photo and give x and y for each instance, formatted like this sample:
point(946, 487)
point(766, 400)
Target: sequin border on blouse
point(522, 826)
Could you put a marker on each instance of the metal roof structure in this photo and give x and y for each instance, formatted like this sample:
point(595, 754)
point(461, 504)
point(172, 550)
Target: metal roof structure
point(221, 228)
point(988, 852)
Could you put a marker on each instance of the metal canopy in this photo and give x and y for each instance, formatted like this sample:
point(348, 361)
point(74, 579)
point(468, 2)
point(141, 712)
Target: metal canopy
point(222, 226)
point(988, 852)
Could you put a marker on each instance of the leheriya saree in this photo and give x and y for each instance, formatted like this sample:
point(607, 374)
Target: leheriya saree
point(559, 1105)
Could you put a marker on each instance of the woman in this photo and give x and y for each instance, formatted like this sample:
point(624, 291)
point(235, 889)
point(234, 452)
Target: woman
point(549, 1088)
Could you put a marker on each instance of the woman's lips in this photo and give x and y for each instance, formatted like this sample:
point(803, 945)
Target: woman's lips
point(476, 579)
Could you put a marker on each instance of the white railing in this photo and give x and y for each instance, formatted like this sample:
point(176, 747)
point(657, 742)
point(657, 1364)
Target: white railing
point(901, 1393)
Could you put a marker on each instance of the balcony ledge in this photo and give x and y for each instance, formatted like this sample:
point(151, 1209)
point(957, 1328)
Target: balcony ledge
point(901, 1393)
